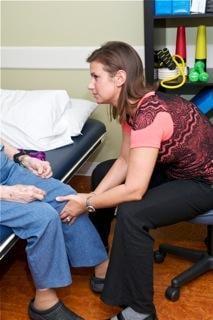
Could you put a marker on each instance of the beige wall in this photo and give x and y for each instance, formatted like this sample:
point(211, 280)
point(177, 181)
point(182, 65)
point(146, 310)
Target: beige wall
point(69, 23)
point(74, 23)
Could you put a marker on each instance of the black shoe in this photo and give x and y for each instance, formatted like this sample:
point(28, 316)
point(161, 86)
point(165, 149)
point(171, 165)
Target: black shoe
point(150, 317)
point(97, 284)
point(58, 312)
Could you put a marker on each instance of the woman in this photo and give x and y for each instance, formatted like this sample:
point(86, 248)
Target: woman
point(29, 207)
point(162, 176)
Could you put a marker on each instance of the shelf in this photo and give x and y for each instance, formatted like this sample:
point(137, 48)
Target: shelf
point(191, 87)
point(194, 20)
point(185, 90)
point(199, 83)
point(185, 16)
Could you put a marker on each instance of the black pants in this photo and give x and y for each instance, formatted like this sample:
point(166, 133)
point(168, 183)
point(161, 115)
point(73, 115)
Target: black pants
point(129, 280)
point(102, 219)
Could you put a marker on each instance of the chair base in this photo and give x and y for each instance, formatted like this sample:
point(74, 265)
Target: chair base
point(203, 263)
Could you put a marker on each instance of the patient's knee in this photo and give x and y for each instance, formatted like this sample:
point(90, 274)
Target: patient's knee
point(45, 214)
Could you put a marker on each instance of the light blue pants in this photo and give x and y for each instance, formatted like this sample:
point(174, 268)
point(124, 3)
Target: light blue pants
point(52, 246)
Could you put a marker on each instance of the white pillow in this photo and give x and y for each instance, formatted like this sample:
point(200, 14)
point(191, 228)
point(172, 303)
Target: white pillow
point(35, 119)
point(20, 140)
point(77, 114)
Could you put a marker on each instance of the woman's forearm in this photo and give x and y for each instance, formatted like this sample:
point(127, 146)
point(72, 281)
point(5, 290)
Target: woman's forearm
point(115, 196)
point(140, 168)
point(115, 176)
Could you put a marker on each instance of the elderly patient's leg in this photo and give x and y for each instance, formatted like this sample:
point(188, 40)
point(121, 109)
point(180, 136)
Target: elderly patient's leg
point(40, 224)
point(83, 244)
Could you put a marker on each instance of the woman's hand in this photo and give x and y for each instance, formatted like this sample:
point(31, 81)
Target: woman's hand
point(21, 193)
point(37, 166)
point(76, 205)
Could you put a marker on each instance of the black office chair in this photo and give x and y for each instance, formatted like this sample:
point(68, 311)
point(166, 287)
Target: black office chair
point(204, 259)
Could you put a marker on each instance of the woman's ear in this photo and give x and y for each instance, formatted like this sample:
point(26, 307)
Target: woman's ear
point(120, 77)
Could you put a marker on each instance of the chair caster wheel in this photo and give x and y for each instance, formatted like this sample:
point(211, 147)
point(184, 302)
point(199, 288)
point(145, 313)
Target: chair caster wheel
point(159, 256)
point(172, 293)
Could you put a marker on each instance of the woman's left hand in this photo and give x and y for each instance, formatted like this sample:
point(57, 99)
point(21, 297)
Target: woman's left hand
point(74, 207)
point(37, 166)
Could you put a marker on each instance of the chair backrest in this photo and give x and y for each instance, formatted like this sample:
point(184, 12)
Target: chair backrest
point(204, 100)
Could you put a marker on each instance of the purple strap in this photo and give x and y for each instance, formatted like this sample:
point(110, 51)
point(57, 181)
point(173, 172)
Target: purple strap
point(35, 154)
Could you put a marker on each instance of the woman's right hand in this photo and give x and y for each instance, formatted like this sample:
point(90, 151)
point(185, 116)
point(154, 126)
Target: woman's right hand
point(21, 193)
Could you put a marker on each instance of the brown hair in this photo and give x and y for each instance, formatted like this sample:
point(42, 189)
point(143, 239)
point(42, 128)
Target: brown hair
point(114, 56)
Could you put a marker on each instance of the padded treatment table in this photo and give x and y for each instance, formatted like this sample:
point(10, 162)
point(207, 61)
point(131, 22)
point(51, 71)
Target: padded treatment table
point(65, 162)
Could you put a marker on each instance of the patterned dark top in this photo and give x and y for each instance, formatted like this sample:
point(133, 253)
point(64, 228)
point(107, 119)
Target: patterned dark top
point(188, 152)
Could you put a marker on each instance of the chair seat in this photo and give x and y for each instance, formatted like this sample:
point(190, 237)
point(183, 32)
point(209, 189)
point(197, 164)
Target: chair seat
point(206, 218)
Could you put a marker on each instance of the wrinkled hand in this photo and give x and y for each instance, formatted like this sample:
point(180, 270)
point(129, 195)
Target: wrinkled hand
point(74, 207)
point(37, 166)
point(24, 194)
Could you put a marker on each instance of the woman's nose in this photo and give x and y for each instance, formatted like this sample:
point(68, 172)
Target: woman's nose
point(90, 85)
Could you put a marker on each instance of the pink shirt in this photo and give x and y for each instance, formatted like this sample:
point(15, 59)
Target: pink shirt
point(183, 136)
point(161, 129)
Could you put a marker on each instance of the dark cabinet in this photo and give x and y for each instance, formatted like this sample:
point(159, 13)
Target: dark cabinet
point(155, 35)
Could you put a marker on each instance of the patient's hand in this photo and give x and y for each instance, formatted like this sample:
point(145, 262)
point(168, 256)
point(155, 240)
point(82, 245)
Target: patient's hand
point(74, 207)
point(21, 193)
point(37, 166)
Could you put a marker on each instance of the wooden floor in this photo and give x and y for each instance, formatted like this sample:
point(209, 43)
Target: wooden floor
point(195, 303)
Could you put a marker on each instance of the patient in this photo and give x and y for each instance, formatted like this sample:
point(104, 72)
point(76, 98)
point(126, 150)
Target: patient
point(54, 244)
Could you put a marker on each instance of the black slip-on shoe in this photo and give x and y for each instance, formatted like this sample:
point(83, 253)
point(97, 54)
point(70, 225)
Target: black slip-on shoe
point(97, 284)
point(58, 312)
point(151, 317)
point(121, 317)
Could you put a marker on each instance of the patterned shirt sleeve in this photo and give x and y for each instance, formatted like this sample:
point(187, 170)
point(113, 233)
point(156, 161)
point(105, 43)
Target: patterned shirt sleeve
point(161, 129)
